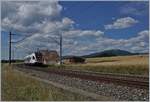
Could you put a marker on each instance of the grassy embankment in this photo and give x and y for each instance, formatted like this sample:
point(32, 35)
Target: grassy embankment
point(136, 65)
point(17, 87)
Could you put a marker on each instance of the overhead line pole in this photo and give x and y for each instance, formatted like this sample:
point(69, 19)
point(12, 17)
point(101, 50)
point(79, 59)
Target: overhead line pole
point(10, 48)
point(60, 48)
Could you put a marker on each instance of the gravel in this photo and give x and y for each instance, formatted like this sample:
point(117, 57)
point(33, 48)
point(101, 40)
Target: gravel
point(121, 93)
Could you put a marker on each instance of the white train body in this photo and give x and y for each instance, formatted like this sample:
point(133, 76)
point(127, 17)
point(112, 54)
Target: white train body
point(33, 59)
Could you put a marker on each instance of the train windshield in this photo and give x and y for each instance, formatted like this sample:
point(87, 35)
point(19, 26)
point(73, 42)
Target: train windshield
point(38, 56)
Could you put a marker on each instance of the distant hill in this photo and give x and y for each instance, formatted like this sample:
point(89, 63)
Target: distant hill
point(108, 53)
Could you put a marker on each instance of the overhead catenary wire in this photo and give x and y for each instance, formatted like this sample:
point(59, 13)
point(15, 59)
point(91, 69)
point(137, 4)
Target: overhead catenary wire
point(10, 44)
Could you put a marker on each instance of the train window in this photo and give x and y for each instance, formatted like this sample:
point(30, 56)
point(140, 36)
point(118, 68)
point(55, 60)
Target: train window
point(28, 59)
point(33, 57)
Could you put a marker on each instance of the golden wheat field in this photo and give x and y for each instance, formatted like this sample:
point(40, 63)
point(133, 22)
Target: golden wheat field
point(120, 60)
point(136, 64)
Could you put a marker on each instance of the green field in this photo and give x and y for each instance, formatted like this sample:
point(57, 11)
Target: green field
point(17, 87)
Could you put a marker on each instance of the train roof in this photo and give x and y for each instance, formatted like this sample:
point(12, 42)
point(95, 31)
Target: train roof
point(32, 54)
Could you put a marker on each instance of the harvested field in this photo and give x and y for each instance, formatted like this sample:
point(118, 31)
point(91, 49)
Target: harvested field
point(135, 65)
point(120, 60)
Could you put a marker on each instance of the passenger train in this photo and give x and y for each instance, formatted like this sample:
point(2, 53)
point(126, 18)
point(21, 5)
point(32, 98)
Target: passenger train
point(34, 59)
point(42, 57)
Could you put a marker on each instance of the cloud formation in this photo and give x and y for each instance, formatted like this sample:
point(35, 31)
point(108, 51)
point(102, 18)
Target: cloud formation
point(140, 43)
point(138, 8)
point(43, 22)
point(122, 23)
point(29, 17)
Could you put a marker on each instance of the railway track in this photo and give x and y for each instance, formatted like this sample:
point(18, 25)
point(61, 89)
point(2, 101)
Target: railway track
point(127, 80)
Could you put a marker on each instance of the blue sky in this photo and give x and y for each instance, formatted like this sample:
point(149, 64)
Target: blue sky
point(94, 15)
point(87, 27)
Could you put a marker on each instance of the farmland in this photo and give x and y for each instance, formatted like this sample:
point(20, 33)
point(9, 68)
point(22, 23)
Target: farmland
point(136, 65)
point(18, 87)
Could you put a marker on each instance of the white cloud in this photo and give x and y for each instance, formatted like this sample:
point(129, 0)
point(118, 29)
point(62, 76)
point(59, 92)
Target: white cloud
point(29, 17)
point(82, 33)
point(91, 33)
point(67, 21)
point(144, 33)
point(122, 23)
point(139, 8)
point(139, 43)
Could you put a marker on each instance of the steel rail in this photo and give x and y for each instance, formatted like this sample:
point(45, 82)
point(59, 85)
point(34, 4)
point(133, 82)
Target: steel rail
point(138, 82)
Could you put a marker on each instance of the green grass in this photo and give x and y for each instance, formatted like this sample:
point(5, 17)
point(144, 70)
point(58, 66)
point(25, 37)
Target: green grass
point(121, 69)
point(17, 87)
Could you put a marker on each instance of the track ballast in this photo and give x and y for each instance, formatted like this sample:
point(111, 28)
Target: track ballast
point(127, 80)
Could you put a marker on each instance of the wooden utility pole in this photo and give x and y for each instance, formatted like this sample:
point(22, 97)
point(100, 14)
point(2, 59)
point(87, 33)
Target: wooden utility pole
point(10, 48)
